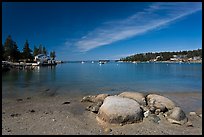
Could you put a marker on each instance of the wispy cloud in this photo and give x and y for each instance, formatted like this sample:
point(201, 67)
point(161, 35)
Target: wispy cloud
point(153, 17)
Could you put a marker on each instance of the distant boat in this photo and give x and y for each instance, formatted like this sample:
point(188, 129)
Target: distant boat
point(92, 62)
point(103, 61)
point(134, 62)
point(82, 62)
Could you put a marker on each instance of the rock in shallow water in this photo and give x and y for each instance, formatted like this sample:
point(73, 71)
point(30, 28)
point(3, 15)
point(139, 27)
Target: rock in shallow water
point(118, 110)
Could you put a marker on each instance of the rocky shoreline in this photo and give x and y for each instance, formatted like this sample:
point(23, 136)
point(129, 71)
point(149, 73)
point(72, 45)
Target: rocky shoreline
point(133, 107)
point(54, 115)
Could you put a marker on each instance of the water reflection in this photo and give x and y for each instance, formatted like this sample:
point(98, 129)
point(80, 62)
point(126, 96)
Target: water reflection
point(93, 77)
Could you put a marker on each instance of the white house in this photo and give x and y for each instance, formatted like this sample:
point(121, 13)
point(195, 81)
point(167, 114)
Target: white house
point(41, 58)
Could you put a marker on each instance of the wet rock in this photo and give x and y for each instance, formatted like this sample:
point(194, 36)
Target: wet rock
point(160, 102)
point(118, 110)
point(139, 97)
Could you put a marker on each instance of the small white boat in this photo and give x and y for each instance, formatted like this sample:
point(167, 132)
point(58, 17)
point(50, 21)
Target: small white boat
point(101, 62)
point(92, 62)
point(82, 62)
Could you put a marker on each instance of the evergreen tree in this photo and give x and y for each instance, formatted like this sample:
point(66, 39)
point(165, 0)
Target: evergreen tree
point(40, 51)
point(15, 54)
point(27, 51)
point(44, 51)
point(35, 51)
point(52, 54)
point(2, 52)
point(8, 46)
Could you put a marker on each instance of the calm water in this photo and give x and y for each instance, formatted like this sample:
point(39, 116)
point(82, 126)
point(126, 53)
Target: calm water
point(88, 78)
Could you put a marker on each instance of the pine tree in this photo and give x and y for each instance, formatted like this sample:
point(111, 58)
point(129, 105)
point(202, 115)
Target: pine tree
point(27, 51)
point(52, 55)
point(40, 51)
point(44, 51)
point(15, 54)
point(8, 46)
point(35, 51)
point(2, 52)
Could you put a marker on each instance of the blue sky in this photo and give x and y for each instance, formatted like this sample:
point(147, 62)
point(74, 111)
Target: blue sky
point(104, 30)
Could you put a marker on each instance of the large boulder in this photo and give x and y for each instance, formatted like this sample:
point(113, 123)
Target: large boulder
point(139, 97)
point(177, 116)
point(160, 102)
point(119, 110)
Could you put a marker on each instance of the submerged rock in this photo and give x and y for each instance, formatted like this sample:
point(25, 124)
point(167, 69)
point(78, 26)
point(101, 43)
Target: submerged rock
point(118, 110)
point(139, 97)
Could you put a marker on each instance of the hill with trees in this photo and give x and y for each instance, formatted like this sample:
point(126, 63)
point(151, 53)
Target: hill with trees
point(162, 56)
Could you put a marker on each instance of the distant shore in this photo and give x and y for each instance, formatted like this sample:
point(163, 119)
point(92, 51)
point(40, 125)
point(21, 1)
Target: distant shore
point(162, 61)
point(65, 114)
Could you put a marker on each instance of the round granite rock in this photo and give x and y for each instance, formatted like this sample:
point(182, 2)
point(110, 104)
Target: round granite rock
point(160, 102)
point(118, 110)
point(139, 97)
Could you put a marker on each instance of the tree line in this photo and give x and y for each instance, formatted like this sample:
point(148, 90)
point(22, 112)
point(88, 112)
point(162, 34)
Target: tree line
point(164, 56)
point(11, 52)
